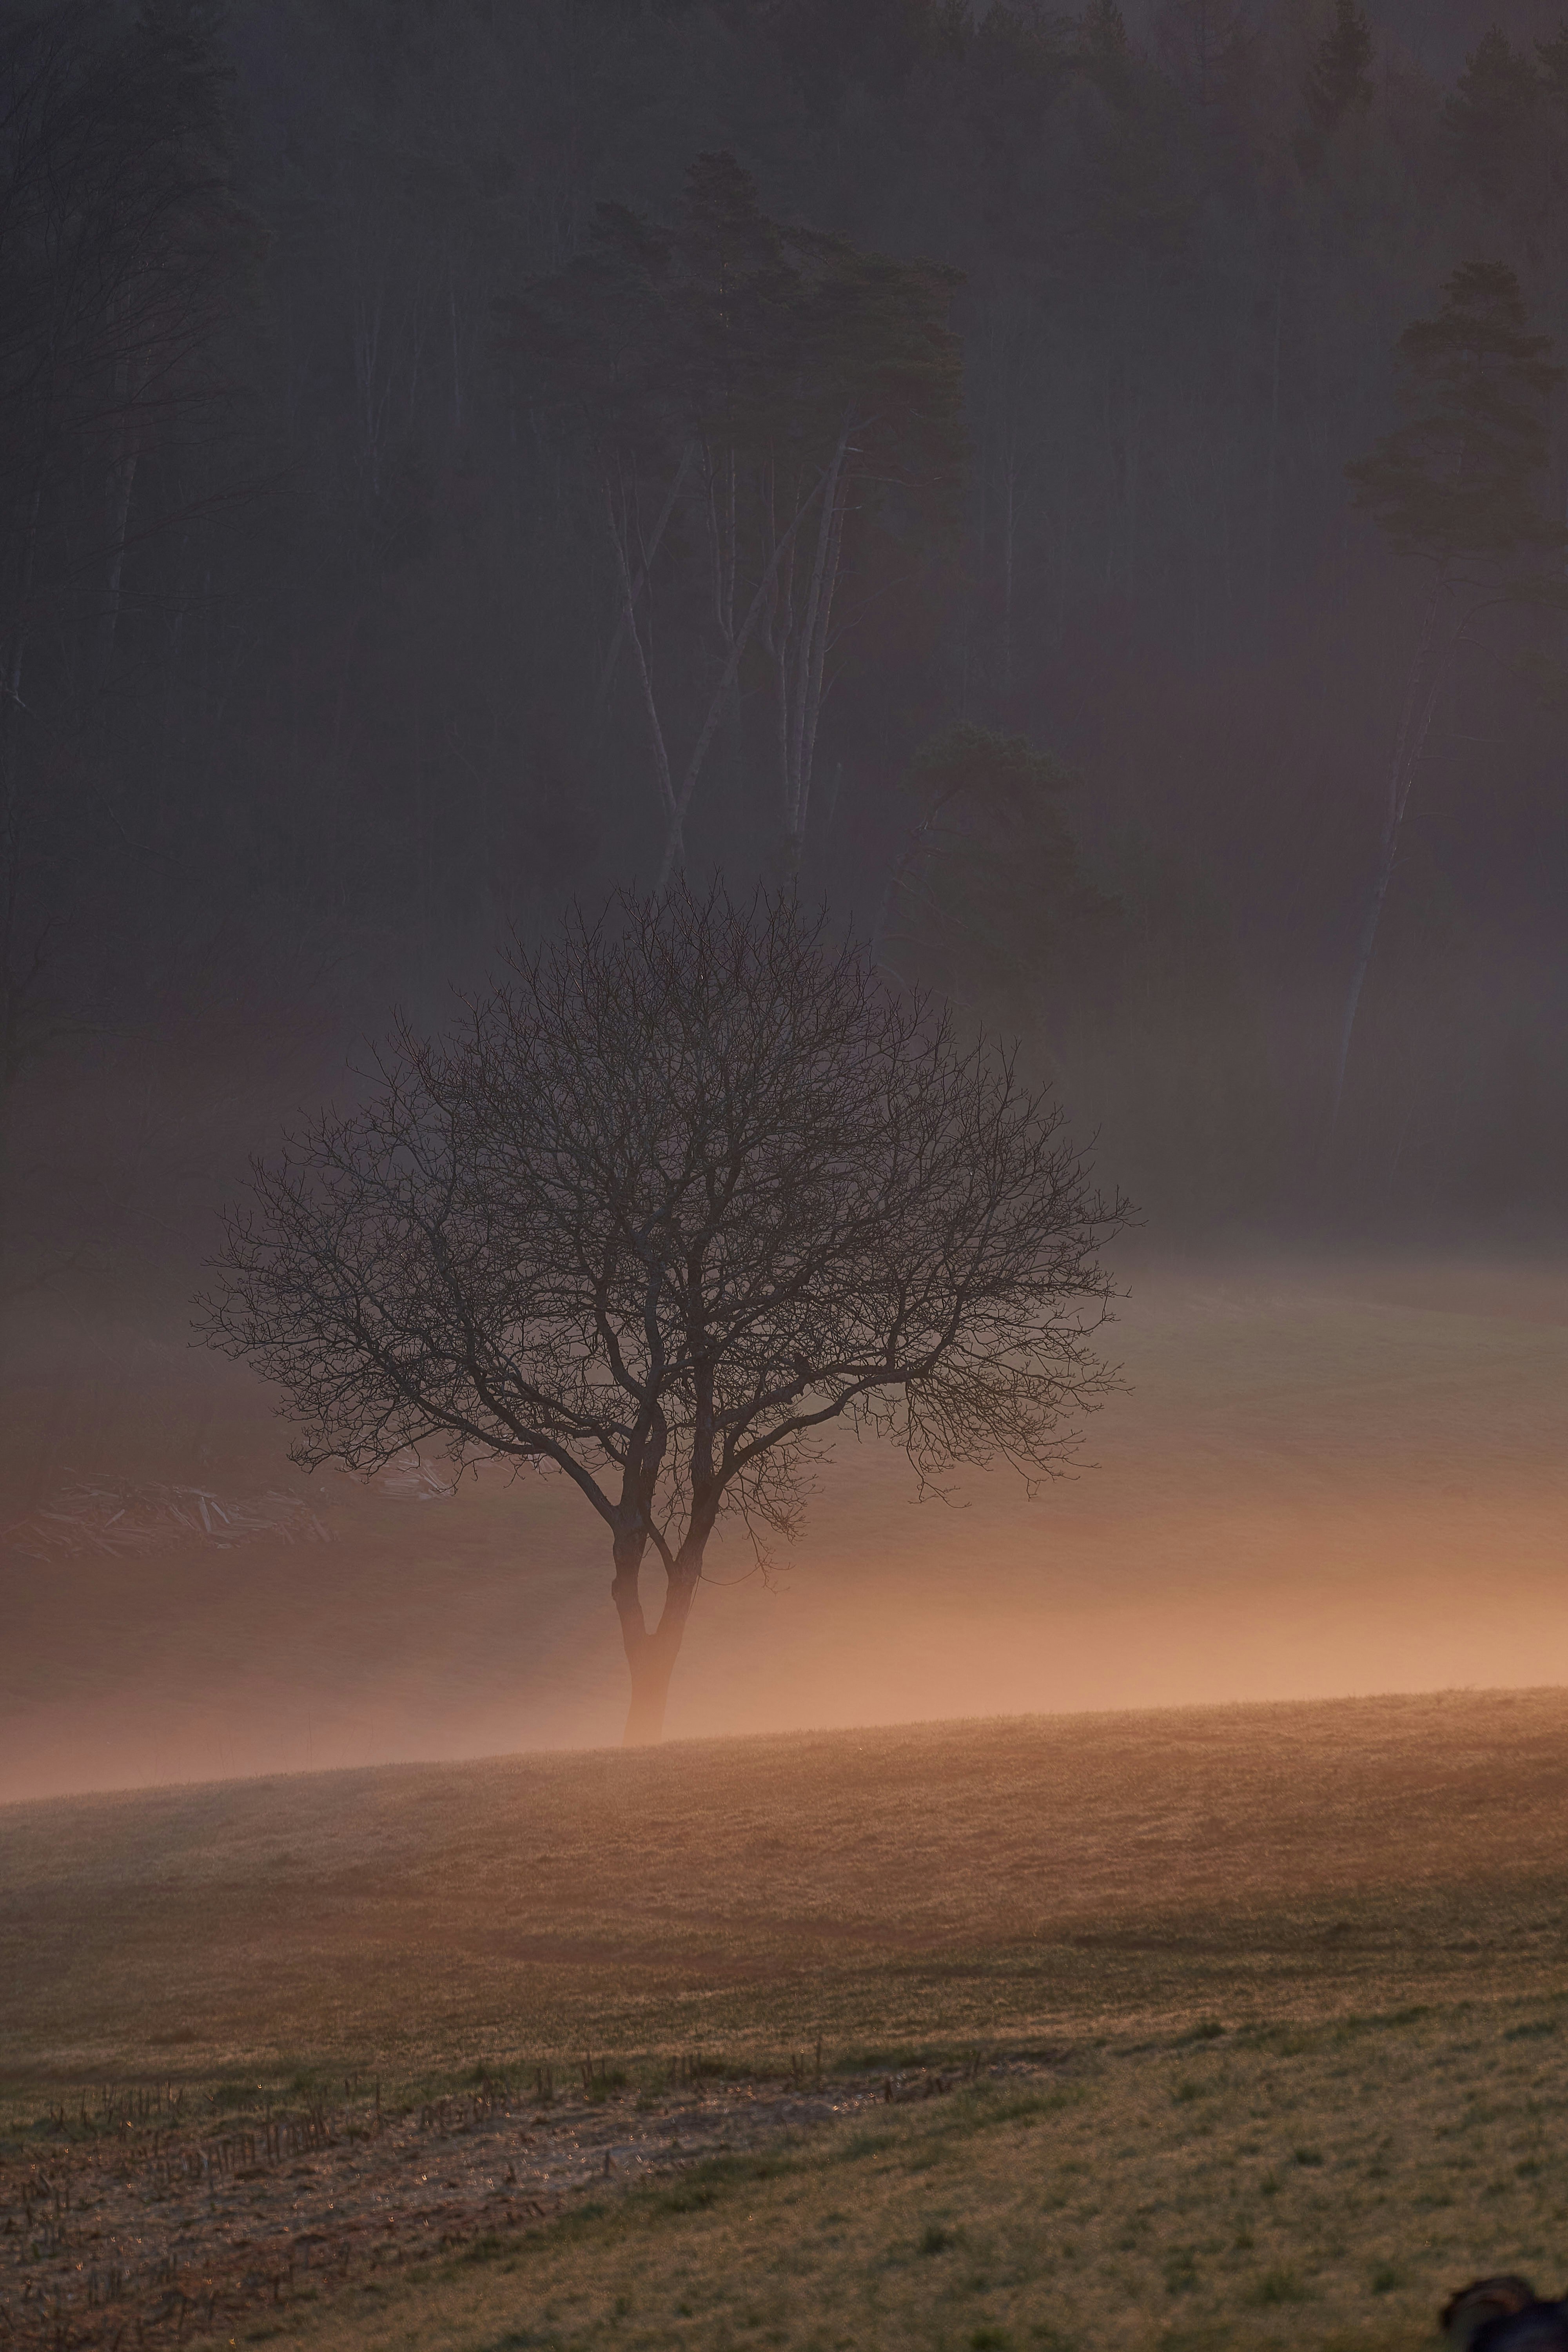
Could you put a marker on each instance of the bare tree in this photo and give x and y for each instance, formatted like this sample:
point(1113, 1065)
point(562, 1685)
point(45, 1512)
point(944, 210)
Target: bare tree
point(687, 1189)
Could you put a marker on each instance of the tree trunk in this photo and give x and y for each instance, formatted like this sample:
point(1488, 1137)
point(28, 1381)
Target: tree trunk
point(650, 1674)
point(650, 1656)
point(673, 849)
point(808, 656)
point(1423, 687)
point(606, 674)
point(650, 705)
point(123, 481)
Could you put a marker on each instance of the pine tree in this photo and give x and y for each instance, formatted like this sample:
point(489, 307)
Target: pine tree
point(1491, 120)
point(1458, 485)
point(952, 27)
point(1457, 479)
point(1340, 84)
point(1203, 42)
point(1102, 35)
point(989, 899)
point(1553, 57)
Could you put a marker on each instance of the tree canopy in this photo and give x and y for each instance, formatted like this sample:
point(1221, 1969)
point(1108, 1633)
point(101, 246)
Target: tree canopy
point(685, 1190)
point(1461, 476)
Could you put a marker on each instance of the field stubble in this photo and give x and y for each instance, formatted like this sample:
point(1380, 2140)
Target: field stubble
point(1261, 2016)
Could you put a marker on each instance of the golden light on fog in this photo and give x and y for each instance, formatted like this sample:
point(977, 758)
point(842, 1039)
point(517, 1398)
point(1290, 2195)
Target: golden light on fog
point(1321, 1480)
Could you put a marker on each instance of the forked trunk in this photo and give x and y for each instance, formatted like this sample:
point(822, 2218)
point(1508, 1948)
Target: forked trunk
point(650, 1655)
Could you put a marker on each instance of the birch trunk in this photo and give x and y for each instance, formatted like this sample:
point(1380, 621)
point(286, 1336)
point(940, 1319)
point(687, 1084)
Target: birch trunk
point(607, 676)
point(651, 704)
point(674, 849)
point(816, 679)
point(801, 656)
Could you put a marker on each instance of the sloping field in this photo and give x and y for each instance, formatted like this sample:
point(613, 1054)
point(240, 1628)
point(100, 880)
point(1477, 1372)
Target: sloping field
point(1207, 2027)
point(935, 1882)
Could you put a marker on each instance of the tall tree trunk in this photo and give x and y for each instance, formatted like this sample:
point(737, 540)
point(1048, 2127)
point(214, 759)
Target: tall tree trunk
point(674, 849)
point(638, 582)
point(803, 655)
point(1422, 686)
point(650, 705)
point(1009, 560)
point(1272, 502)
point(651, 1656)
point(123, 481)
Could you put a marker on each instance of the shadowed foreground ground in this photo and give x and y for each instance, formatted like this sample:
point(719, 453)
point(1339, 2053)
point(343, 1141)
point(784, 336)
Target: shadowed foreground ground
point(1221, 2026)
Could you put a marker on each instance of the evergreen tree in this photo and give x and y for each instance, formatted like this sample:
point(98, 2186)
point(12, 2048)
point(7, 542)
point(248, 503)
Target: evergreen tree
point(1340, 84)
point(1553, 57)
point(1456, 485)
point(1204, 42)
point(989, 899)
point(952, 27)
point(1491, 120)
point(1102, 35)
point(1459, 479)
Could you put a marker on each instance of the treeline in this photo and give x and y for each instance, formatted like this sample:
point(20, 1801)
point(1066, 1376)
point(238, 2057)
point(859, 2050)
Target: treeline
point(457, 457)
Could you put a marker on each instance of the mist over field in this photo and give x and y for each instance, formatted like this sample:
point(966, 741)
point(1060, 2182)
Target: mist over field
point(370, 578)
point(1323, 1479)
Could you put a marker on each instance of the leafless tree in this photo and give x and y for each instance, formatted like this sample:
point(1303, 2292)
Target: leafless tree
point(687, 1189)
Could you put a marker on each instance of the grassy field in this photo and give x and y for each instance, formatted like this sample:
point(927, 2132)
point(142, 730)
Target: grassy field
point(1278, 2187)
point(1215, 2027)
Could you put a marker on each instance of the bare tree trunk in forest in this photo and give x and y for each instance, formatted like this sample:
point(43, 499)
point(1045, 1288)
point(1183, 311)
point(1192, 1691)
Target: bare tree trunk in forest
point(29, 554)
point(122, 482)
point(650, 705)
point(1422, 689)
point(799, 656)
point(21, 966)
point(819, 619)
point(1272, 501)
point(651, 553)
point(674, 850)
point(1009, 543)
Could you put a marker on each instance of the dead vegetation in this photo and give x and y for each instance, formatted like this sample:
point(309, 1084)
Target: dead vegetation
point(146, 2216)
point(123, 1520)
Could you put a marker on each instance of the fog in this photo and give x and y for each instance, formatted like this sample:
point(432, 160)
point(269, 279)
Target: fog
point(1321, 1479)
point(323, 505)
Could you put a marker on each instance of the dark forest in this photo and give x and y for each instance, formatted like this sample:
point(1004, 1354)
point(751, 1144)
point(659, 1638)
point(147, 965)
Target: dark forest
point(457, 461)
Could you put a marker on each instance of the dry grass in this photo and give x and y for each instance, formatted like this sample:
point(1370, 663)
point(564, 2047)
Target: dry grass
point(1277, 2187)
point(938, 1884)
point(1367, 1895)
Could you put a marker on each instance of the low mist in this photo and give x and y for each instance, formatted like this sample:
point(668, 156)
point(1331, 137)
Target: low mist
point(1323, 1478)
